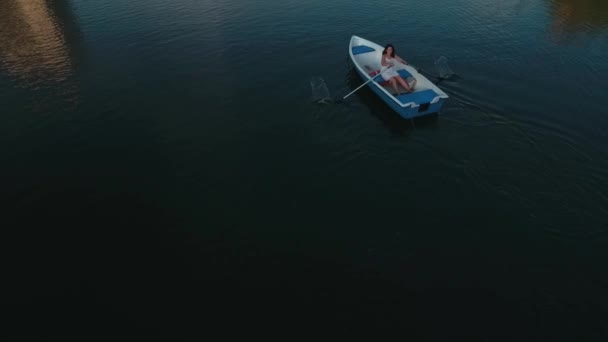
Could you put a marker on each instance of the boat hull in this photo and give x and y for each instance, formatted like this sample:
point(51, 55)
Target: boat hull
point(426, 99)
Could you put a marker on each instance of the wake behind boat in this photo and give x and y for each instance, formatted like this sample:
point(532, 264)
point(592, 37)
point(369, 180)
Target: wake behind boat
point(426, 98)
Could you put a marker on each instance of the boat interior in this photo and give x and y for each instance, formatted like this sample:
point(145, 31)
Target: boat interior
point(368, 58)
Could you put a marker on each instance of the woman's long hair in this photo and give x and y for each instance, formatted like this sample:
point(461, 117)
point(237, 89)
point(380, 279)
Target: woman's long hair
point(386, 48)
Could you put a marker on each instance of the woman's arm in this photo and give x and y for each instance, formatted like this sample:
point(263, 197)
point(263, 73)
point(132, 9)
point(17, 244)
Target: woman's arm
point(401, 60)
point(383, 61)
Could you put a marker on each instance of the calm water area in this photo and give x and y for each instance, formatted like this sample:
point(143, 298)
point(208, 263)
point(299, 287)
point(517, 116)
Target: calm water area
point(166, 173)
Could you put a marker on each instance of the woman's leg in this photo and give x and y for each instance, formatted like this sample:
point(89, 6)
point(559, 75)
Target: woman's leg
point(403, 83)
point(393, 82)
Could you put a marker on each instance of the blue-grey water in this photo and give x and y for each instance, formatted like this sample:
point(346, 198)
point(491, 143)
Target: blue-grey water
point(165, 172)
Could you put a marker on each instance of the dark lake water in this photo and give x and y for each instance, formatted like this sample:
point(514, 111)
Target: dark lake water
point(165, 172)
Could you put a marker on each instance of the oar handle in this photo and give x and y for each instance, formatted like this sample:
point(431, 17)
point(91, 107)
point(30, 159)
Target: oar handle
point(366, 82)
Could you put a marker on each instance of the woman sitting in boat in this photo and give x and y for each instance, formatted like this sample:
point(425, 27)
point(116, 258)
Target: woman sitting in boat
point(390, 60)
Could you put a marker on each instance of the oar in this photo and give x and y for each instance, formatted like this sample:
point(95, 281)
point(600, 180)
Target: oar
point(420, 70)
point(441, 65)
point(366, 82)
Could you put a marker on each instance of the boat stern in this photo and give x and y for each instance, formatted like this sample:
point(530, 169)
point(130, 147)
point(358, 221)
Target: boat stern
point(420, 103)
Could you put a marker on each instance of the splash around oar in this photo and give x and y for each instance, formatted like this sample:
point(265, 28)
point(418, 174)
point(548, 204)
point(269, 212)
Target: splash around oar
point(320, 93)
